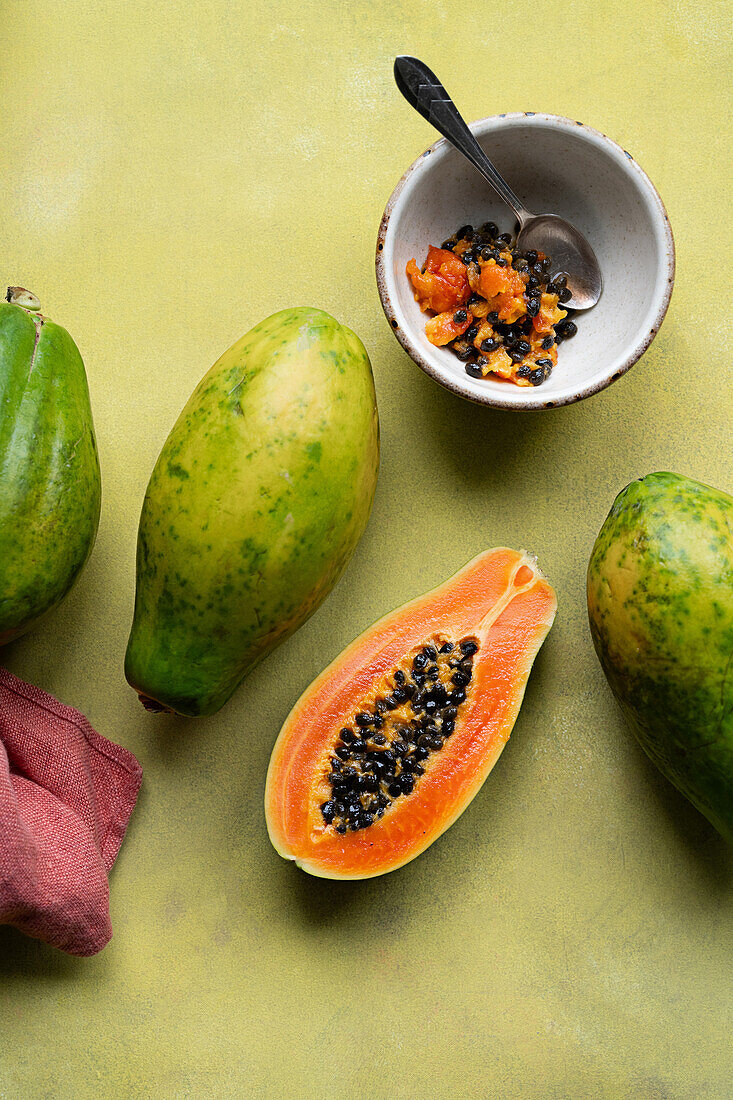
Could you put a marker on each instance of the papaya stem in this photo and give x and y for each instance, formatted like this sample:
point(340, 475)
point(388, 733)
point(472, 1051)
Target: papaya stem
point(153, 705)
point(19, 296)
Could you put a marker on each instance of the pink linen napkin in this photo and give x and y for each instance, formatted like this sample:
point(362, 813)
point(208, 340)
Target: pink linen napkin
point(66, 795)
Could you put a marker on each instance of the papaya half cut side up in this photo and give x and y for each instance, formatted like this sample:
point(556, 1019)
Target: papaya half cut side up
point(391, 742)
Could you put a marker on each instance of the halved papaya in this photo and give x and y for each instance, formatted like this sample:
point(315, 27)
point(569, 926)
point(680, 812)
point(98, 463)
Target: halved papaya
point(391, 742)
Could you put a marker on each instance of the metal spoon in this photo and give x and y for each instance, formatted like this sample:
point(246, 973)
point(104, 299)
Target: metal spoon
point(568, 249)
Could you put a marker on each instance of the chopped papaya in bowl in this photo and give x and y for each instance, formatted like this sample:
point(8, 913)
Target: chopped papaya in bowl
point(495, 307)
point(556, 164)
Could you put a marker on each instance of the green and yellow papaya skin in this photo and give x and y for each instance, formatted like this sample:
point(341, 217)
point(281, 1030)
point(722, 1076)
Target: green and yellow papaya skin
point(660, 603)
point(50, 487)
point(256, 503)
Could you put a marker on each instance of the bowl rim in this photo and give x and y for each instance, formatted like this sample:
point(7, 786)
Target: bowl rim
point(626, 160)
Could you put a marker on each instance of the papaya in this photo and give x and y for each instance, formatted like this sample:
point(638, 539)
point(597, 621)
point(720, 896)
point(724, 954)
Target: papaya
point(391, 742)
point(660, 605)
point(256, 503)
point(50, 488)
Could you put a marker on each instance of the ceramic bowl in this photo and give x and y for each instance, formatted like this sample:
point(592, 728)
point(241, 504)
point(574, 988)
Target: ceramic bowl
point(556, 166)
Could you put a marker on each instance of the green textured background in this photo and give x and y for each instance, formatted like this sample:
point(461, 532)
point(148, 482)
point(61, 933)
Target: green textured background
point(171, 173)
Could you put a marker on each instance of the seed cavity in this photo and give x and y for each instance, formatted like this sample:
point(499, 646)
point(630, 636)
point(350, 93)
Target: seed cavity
point(381, 755)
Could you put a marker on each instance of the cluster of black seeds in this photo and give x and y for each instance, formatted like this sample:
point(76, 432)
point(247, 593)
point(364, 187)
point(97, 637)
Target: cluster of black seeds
point(477, 246)
point(381, 755)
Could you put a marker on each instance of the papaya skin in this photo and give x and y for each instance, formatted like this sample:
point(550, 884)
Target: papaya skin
point(50, 488)
point(660, 606)
point(256, 504)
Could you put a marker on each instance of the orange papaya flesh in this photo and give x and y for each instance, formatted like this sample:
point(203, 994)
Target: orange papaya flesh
point(443, 327)
point(442, 284)
point(501, 602)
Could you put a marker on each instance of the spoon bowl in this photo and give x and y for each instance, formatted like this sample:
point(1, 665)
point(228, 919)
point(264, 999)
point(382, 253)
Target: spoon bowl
point(571, 256)
point(569, 251)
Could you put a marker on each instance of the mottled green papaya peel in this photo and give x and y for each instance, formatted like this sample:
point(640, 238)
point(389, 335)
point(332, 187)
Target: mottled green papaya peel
point(660, 602)
point(50, 489)
point(255, 505)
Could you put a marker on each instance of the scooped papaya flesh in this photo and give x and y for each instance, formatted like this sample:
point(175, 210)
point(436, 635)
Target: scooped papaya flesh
point(496, 307)
point(390, 744)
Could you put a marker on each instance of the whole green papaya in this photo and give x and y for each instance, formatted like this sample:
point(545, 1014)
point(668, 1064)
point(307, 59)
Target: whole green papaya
point(50, 489)
point(256, 503)
point(660, 603)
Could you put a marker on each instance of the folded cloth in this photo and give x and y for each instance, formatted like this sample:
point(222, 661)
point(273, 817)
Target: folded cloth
point(66, 795)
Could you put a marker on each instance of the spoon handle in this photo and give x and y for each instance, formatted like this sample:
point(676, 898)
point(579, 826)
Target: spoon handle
point(423, 91)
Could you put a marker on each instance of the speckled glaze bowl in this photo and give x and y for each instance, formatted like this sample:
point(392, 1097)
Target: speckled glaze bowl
point(556, 166)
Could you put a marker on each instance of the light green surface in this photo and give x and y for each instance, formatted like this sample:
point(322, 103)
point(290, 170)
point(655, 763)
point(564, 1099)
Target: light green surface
point(171, 173)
